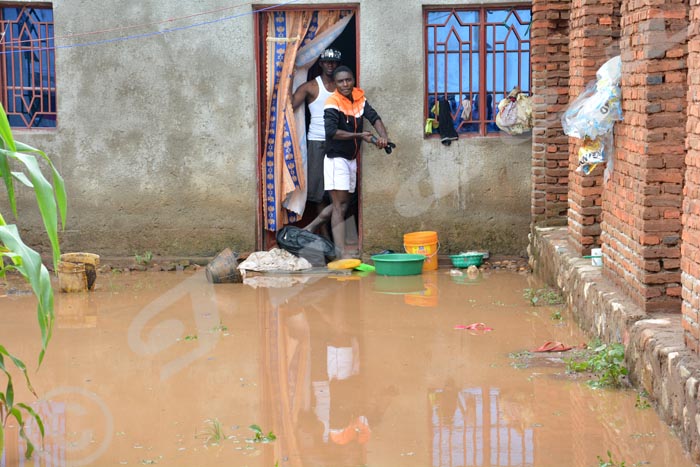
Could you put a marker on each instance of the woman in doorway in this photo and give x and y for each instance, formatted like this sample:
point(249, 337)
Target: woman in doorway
point(343, 118)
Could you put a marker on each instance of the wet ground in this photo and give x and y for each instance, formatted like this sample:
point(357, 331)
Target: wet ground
point(164, 368)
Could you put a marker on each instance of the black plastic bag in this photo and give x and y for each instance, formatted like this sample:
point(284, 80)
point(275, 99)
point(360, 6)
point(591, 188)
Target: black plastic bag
point(304, 244)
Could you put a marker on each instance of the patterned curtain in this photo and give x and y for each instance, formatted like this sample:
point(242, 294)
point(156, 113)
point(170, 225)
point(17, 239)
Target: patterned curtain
point(283, 163)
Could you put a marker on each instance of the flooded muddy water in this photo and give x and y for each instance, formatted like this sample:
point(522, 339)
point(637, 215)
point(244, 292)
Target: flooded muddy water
point(165, 368)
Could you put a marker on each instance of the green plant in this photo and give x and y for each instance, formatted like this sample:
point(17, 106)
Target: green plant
point(545, 295)
point(145, 259)
point(20, 162)
point(213, 432)
point(606, 362)
point(556, 316)
point(260, 437)
point(610, 462)
point(520, 359)
point(642, 403)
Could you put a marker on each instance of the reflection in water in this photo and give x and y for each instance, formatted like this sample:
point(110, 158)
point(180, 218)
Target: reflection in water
point(460, 430)
point(321, 404)
point(74, 311)
point(338, 371)
point(78, 429)
point(428, 297)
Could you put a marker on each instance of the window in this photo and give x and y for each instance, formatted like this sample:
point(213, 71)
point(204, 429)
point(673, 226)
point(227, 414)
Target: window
point(474, 57)
point(27, 66)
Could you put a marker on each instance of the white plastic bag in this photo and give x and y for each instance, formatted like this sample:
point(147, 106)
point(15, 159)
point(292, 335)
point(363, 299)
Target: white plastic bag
point(595, 110)
point(515, 113)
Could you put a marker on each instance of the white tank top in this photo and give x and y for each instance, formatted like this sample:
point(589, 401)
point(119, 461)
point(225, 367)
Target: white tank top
point(317, 131)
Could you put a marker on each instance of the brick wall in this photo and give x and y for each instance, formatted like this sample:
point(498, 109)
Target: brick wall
point(642, 206)
point(594, 38)
point(550, 81)
point(690, 250)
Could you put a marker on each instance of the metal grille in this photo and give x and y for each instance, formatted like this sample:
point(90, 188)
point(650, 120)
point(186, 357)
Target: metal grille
point(473, 58)
point(28, 66)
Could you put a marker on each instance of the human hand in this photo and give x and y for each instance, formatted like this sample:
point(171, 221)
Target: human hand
point(378, 142)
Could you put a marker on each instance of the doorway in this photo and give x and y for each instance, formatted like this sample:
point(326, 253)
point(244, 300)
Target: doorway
point(346, 41)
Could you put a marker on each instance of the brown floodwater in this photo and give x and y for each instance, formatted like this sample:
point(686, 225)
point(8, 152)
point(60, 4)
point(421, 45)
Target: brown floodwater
point(165, 368)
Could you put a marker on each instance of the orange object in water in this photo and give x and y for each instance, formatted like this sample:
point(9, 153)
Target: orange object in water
point(429, 296)
point(423, 243)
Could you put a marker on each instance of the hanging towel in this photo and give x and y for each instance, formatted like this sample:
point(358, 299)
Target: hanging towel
point(447, 126)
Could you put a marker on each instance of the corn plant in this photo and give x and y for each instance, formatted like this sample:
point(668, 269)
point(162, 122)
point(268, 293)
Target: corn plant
point(20, 162)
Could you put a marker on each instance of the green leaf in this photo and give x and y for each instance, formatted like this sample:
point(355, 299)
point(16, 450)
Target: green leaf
point(9, 394)
point(58, 182)
point(45, 200)
point(19, 364)
point(22, 179)
point(6, 131)
point(37, 275)
point(256, 429)
point(8, 142)
point(35, 416)
point(30, 446)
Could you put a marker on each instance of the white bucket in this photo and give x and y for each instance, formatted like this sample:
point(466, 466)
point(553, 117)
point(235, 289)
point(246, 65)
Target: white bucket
point(597, 256)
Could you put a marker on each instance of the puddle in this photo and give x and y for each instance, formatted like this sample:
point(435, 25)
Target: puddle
point(166, 369)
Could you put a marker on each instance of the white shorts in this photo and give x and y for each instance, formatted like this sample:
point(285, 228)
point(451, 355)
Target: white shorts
point(339, 174)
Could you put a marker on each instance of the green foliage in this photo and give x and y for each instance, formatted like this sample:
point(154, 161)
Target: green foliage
point(642, 403)
point(610, 462)
point(520, 359)
point(213, 432)
point(20, 162)
point(556, 316)
point(546, 296)
point(606, 362)
point(260, 437)
point(145, 259)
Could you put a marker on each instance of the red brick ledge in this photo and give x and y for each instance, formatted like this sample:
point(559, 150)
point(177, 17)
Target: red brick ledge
point(655, 353)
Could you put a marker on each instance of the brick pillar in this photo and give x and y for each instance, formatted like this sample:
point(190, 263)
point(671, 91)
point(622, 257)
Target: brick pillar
point(690, 251)
point(550, 84)
point(642, 205)
point(594, 39)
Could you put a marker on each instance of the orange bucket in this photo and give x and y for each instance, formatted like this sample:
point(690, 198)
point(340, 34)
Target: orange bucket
point(423, 243)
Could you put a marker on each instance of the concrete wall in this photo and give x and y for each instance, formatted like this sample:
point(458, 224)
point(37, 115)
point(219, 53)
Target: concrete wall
point(157, 138)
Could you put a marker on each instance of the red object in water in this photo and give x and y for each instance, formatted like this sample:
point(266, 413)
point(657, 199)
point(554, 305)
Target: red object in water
point(474, 327)
point(552, 346)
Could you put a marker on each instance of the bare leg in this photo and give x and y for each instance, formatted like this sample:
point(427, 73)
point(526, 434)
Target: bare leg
point(339, 207)
point(320, 222)
point(323, 217)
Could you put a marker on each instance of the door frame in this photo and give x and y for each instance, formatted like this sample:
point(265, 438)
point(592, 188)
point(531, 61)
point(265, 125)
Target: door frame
point(264, 239)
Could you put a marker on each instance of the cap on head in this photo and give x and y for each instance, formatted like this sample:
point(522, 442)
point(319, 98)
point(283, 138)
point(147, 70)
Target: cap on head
point(330, 55)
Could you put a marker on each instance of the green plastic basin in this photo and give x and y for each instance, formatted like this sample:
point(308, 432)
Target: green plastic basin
point(464, 260)
point(398, 264)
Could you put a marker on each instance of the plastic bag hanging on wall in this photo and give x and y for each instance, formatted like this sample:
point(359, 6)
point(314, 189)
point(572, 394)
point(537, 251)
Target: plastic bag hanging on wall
point(595, 110)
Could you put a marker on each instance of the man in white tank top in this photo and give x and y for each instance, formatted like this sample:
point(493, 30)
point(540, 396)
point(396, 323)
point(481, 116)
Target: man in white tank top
point(314, 93)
